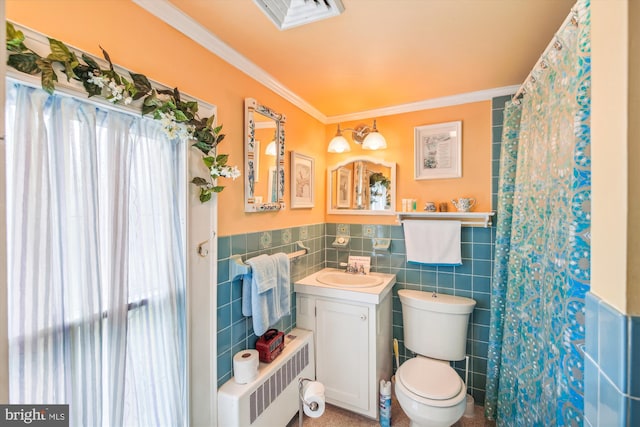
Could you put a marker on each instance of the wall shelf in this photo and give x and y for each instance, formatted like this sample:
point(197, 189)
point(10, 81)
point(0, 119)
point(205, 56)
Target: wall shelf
point(468, 219)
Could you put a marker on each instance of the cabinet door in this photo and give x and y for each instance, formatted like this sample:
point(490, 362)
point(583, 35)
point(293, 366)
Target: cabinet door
point(342, 349)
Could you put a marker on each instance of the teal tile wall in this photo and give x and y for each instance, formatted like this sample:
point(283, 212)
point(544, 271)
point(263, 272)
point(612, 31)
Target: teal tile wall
point(235, 332)
point(472, 279)
point(612, 366)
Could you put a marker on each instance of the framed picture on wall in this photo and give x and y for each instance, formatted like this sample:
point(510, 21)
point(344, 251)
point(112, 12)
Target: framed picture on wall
point(438, 151)
point(302, 173)
point(343, 188)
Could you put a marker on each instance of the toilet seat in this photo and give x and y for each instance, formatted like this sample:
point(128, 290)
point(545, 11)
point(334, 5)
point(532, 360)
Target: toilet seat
point(432, 382)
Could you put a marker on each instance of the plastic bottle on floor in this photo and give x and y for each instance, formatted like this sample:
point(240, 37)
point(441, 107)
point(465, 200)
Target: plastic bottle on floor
point(385, 403)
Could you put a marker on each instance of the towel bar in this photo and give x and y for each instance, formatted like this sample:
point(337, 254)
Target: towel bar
point(237, 267)
point(468, 219)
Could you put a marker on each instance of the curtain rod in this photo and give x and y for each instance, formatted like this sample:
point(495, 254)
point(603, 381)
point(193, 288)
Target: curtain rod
point(572, 18)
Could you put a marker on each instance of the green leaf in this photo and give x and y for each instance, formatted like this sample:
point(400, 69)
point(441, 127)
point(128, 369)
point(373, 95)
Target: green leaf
point(24, 62)
point(218, 188)
point(151, 99)
point(15, 39)
point(92, 90)
point(12, 33)
point(112, 75)
point(59, 51)
point(204, 136)
point(138, 95)
point(107, 57)
point(202, 146)
point(205, 195)
point(217, 129)
point(69, 67)
point(222, 159)
point(148, 109)
point(165, 92)
point(82, 72)
point(141, 83)
point(210, 121)
point(180, 116)
point(199, 181)
point(49, 76)
point(208, 161)
point(192, 106)
point(90, 62)
point(219, 138)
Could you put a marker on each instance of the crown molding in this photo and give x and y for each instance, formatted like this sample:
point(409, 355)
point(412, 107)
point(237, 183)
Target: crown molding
point(445, 101)
point(174, 17)
point(177, 19)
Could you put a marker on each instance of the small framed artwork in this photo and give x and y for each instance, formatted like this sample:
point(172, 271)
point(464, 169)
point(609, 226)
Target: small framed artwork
point(343, 189)
point(302, 173)
point(438, 151)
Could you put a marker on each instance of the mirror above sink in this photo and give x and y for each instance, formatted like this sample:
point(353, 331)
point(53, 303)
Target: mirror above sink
point(263, 158)
point(362, 186)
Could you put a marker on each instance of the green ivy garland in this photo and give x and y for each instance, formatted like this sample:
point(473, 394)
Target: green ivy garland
point(179, 118)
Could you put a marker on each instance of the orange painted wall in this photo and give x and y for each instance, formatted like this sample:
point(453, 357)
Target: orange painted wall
point(398, 130)
point(140, 42)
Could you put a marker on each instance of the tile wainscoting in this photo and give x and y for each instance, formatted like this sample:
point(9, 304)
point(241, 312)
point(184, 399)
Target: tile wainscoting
point(612, 366)
point(472, 279)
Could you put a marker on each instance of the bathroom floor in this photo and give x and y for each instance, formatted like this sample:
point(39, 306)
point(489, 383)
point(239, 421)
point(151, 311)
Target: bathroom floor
point(338, 417)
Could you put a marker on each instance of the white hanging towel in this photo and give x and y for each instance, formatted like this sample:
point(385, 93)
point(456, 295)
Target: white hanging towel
point(433, 242)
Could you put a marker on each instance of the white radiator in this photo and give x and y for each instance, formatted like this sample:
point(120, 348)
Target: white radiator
point(272, 399)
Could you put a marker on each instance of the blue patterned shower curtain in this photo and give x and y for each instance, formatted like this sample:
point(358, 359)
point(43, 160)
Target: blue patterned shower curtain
point(542, 262)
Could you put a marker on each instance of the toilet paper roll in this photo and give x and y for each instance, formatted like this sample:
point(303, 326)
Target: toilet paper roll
point(245, 366)
point(313, 393)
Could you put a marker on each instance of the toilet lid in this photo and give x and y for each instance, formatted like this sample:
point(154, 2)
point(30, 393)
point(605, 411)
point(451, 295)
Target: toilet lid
point(429, 378)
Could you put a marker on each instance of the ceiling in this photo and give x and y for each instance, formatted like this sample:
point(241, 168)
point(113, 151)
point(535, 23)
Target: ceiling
point(379, 54)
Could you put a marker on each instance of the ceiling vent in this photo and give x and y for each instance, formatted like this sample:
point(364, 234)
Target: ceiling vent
point(287, 14)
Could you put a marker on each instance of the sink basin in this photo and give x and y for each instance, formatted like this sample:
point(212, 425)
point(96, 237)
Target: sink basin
point(339, 278)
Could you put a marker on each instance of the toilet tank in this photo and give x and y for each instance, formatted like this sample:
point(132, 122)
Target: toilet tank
point(435, 325)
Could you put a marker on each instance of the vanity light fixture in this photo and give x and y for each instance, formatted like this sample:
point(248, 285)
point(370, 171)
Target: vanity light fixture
point(366, 135)
point(271, 149)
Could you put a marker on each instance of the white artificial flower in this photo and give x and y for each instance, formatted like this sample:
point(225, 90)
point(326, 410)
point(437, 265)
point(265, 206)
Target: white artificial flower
point(97, 80)
point(224, 171)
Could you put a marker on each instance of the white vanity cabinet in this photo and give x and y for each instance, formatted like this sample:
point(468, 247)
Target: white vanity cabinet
point(353, 342)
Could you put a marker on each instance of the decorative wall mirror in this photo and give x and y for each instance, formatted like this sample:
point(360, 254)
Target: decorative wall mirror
point(263, 158)
point(362, 186)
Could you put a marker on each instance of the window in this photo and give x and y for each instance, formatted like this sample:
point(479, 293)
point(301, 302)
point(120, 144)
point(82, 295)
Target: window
point(96, 262)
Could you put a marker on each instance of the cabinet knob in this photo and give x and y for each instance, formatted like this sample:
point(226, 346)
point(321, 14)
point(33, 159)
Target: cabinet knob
point(363, 317)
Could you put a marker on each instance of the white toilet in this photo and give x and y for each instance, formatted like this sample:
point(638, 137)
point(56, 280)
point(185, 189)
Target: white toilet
point(428, 389)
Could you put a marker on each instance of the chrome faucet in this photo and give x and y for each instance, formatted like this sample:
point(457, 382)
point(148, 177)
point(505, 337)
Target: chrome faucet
point(354, 268)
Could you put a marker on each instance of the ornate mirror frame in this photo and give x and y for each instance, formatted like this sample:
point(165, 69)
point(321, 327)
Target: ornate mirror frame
point(343, 166)
point(251, 107)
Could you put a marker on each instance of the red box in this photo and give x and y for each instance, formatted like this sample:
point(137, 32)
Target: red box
point(270, 345)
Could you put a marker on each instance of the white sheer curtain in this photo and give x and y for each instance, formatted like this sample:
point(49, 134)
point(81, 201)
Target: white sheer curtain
point(96, 262)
